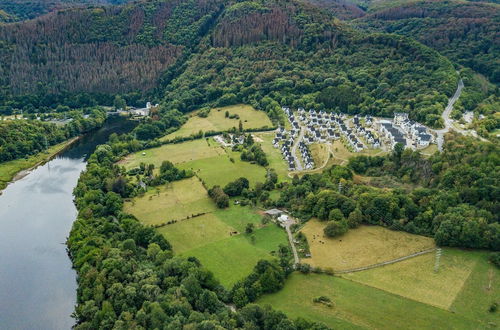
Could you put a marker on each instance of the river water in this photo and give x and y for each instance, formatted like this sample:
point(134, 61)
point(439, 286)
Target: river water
point(37, 283)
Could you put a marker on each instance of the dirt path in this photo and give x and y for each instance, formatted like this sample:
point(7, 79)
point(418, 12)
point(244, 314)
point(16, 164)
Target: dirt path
point(353, 270)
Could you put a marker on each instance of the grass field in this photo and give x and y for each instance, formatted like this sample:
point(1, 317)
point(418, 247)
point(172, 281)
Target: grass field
point(220, 170)
point(415, 278)
point(192, 233)
point(342, 154)
point(274, 156)
point(216, 121)
point(176, 153)
point(359, 306)
point(233, 258)
point(8, 170)
point(320, 153)
point(363, 246)
point(175, 201)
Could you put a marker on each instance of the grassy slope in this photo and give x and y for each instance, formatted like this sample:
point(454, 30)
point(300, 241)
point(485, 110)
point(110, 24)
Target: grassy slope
point(360, 305)
point(216, 121)
point(274, 156)
point(364, 246)
point(175, 201)
point(233, 258)
point(8, 170)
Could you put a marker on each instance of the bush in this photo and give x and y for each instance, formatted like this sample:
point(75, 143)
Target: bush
point(493, 308)
point(495, 259)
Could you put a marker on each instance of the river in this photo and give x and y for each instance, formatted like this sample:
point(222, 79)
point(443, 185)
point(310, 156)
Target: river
point(37, 283)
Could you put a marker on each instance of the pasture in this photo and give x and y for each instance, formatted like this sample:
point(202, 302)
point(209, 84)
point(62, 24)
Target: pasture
point(191, 233)
point(175, 201)
point(217, 121)
point(363, 246)
point(233, 258)
point(176, 153)
point(274, 155)
point(359, 306)
point(222, 169)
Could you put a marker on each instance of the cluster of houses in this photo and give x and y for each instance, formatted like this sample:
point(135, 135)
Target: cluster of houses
point(286, 139)
point(306, 155)
point(405, 131)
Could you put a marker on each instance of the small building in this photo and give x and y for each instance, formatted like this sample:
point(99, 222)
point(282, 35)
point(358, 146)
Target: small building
point(274, 213)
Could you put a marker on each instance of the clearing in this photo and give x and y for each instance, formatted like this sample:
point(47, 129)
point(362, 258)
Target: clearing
point(363, 246)
point(233, 258)
point(274, 155)
point(217, 121)
point(415, 278)
point(358, 306)
point(176, 153)
point(175, 201)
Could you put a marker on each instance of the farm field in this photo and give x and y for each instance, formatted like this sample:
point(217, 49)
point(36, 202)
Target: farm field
point(233, 258)
point(216, 121)
point(174, 201)
point(198, 231)
point(220, 170)
point(274, 155)
point(359, 306)
point(415, 278)
point(175, 153)
point(364, 246)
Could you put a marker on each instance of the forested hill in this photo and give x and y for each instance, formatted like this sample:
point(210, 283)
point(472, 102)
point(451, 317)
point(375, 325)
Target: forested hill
point(465, 32)
point(201, 52)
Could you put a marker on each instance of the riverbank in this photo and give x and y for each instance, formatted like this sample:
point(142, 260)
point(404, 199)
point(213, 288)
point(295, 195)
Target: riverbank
point(16, 169)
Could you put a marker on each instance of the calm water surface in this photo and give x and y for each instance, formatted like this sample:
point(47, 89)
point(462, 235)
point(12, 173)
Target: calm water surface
point(37, 283)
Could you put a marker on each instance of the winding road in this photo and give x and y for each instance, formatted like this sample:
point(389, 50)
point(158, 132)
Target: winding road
point(448, 123)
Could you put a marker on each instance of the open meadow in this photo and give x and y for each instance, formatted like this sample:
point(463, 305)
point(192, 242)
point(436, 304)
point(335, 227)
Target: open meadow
point(176, 153)
point(415, 278)
point(274, 155)
point(360, 247)
point(217, 121)
point(175, 201)
point(357, 306)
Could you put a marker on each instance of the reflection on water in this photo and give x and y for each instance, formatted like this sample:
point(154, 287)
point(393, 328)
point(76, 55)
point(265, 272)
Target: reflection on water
point(37, 283)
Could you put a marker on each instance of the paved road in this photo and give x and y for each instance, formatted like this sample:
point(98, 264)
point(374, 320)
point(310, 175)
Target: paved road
point(298, 164)
point(448, 123)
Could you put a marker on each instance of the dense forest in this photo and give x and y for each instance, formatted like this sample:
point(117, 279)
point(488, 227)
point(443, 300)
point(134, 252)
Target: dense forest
point(454, 198)
point(22, 138)
point(465, 32)
point(215, 53)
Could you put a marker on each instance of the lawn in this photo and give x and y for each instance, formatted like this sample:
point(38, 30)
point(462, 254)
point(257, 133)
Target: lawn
point(358, 306)
point(363, 246)
point(274, 155)
point(192, 233)
point(233, 258)
point(217, 121)
point(238, 217)
point(176, 153)
point(174, 201)
point(342, 154)
point(9, 169)
point(415, 278)
point(220, 170)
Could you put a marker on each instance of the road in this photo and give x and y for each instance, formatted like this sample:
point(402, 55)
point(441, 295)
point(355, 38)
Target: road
point(448, 122)
point(298, 164)
point(290, 238)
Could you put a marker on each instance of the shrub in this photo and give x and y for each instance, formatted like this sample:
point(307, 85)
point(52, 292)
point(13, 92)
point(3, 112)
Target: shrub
point(335, 228)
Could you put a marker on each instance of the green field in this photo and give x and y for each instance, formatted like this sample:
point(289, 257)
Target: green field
point(232, 259)
point(175, 201)
point(8, 170)
point(216, 121)
point(220, 170)
point(359, 306)
point(274, 155)
point(360, 247)
point(175, 153)
point(192, 233)
point(415, 278)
